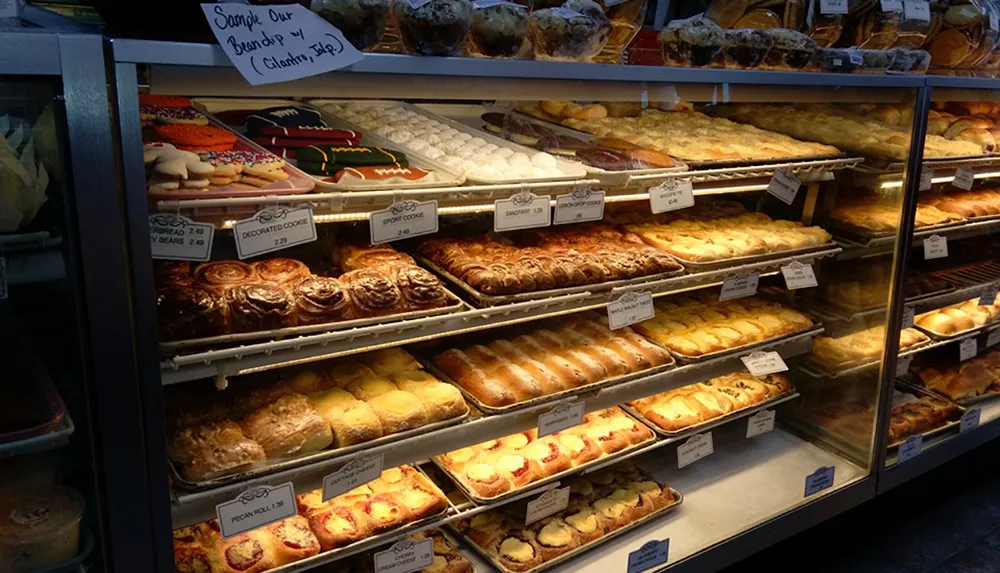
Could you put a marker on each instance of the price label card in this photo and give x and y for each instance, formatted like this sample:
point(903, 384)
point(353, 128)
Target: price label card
point(967, 349)
point(270, 44)
point(3, 278)
point(739, 287)
point(798, 275)
point(970, 420)
point(783, 184)
point(552, 501)
point(761, 363)
point(903, 365)
point(255, 508)
point(403, 220)
point(579, 206)
point(892, 5)
point(630, 308)
point(819, 480)
point(671, 195)
point(908, 315)
point(855, 56)
point(522, 211)
point(964, 177)
point(994, 21)
point(405, 556)
point(989, 295)
point(991, 340)
point(926, 178)
point(354, 474)
point(274, 229)
point(174, 237)
point(698, 446)
point(651, 554)
point(760, 423)
point(910, 448)
point(917, 10)
point(833, 6)
point(935, 247)
point(562, 417)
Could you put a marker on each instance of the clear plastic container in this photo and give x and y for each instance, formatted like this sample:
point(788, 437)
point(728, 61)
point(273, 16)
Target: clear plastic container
point(39, 528)
point(791, 50)
point(626, 20)
point(745, 49)
point(574, 32)
point(499, 30)
point(433, 27)
point(361, 21)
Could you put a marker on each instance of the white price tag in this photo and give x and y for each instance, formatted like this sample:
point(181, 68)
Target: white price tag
point(481, 4)
point(967, 349)
point(405, 556)
point(179, 238)
point(819, 480)
point(671, 195)
point(630, 308)
point(993, 339)
point(255, 508)
point(651, 554)
point(798, 275)
point(552, 501)
point(762, 363)
point(739, 287)
point(970, 420)
point(833, 6)
point(274, 229)
point(783, 184)
point(566, 13)
point(908, 315)
point(903, 365)
point(926, 178)
point(10, 9)
point(353, 474)
point(562, 417)
point(855, 56)
point(403, 220)
point(579, 206)
point(522, 211)
point(964, 177)
point(935, 247)
point(698, 446)
point(892, 5)
point(910, 448)
point(760, 423)
point(3, 278)
point(270, 44)
point(917, 10)
point(989, 295)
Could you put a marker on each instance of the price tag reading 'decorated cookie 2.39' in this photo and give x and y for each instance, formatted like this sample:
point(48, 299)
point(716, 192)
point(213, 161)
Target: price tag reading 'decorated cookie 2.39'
point(784, 185)
point(274, 229)
point(562, 417)
point(671, 195)
point(630, 308)
point(651, 554)
point(270, 44)
point(354, 474)
point(579, 206)
point(761, 363)
point(178, 238)
point(522, 211)
point(819, 480)
point(403, 220)
point(405, 556)
point(255, 508)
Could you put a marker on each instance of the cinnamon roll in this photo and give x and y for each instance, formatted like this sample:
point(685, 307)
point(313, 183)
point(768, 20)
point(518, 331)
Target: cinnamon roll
point(323, 299)
point(224, 273)
point(260, 306)
point(171, 273)
point(186, 312)
point(356, 257)
point(281, 270)
point(373, 292)
point(420, 289)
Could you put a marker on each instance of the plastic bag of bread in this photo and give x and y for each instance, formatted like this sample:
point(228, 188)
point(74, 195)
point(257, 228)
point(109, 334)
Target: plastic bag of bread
point(499, 29)
point(693, 42)
point(961, 34)
point(361, 21)
point(790, 50)
point(575, 31)
point(757, 14)
point(877, 29)
point(626, 21)
point(744, 48)
point(433, 27)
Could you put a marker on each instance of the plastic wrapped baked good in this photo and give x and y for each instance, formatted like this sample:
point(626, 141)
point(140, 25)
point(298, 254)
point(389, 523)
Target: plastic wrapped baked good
point(791, 50)
point(499, 30)
point(693, 42)
point(823, 27)
point(433, 27)
point(964, 37)
point(916, 61)
point(838, 60)
point(361, 21)
point(39, 529)
point(876, 61)
point(745, 48)
point(626, 21)
point(576, 31)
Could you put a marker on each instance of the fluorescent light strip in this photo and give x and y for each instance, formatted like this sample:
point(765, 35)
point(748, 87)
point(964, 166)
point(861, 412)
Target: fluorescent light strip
point(946, 179)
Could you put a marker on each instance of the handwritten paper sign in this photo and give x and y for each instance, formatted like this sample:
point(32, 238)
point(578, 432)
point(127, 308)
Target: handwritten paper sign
point(270, 44)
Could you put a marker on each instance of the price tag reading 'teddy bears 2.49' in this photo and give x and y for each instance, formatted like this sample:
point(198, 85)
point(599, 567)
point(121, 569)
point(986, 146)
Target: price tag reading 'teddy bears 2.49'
point(256, 508)
point(274, 229)
point(522, 211)
point(630, 308)
point(403, 220)
point(174, 237)
point(405, 556)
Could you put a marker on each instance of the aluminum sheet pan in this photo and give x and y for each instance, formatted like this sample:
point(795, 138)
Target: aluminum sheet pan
point(328, 456)
point(714, 422)
point(917, 299)
point(485, 300)
point(876, 164)
point(811, 332)
point(825, 370)
point(916, 382)
point(865, 238)
point(958, 335)
point(826, 249)
point(948, 426)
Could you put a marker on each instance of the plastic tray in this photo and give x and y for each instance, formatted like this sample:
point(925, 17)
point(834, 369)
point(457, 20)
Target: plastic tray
point(718, 421)
point(811, 332)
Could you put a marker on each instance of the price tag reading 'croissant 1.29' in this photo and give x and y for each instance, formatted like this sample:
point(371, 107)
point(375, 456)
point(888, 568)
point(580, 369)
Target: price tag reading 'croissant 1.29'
point(579, 206)
point(405, 556)
point(671, 195)
point(798, 275)
point(819, 480)
point(783, 184)
point(935, 247)
point(270, 44)
point(562, 417)
point(174, 237)
point(761, 363)
point(274, 229)
point(739, 287)
point(552, 501)
point(630, 308)
point(917, 10)
point(967, 349)
point(522, 211)
point(651, 554)
point(964, 176)
point(698, 446)
point(255, 508)
point(910, 449)
point(403, 220)
point(354, 474)
point(760, 423)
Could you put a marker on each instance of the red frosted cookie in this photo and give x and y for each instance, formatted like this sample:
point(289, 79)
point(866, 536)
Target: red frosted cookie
point(283, 152)
point(164, 100)
point(192, 137)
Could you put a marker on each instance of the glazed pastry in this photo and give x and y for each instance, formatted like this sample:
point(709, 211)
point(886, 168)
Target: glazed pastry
point(373, 292)
point(186, 312)
point(442, 401)
point(208, 450)
point(260, 306)
point(289, 426)
point(549, 456)
point(340, 525)
point(386, 511)
point(352, 421)
point(224, 273)
point(516, 552)
point(388, 361)
point(319, 300)
point(554, 537)
point(280, 270)
point(486, 481)
point(420, 289)
point(250, 552)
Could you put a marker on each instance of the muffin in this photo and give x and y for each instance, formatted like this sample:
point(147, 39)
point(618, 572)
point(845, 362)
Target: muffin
point(499, 30)
point(433, 27)
point(361, 21)
point(693, 42)
point(575, 31)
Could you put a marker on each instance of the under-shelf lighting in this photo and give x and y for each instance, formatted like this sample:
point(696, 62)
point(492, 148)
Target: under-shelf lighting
point(945, 179)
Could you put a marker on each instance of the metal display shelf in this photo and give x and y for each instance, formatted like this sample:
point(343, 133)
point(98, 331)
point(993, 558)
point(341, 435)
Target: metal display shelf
point(191, 508)
point(884, 245)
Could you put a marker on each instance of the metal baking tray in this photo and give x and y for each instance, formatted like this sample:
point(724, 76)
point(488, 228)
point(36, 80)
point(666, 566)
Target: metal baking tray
point(679, 499)
point(865, 238)
point(815, 330)
point(958, 335)
point(916, 382)
point(819, 369)
point(916, 299)
point(875, 164)
point(330, 456)
point(830, 248)
point(484, 300)
point(714, 422)
point(604, 460)
point(278, 333)
point(948, 426)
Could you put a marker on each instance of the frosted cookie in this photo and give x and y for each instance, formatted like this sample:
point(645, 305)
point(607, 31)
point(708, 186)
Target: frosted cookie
point(360, 176)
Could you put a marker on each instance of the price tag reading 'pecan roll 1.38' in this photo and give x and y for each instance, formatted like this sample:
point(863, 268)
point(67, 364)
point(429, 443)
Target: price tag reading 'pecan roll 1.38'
point(274, 229)
point(255, 508)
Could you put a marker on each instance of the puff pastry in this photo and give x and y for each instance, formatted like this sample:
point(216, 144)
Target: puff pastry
point(860, 346)
point(964, 380)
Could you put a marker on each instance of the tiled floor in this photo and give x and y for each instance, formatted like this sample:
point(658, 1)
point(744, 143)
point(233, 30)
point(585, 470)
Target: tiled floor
point(947, 521)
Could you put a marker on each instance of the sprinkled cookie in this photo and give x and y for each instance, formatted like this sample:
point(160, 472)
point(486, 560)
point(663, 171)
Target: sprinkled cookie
point(170, 162)
point(164, 100)
point(180, 115)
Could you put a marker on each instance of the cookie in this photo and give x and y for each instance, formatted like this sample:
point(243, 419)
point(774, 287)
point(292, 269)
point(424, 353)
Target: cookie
point(325, 133)
point(193, 137)
point(325, 156)
point(180, 115)
point(164, 100)
point(222, 181)
point(195, 183)
point(168, 161)
point(285, 116)
point(218, 147)
point(360, 176)
point(302, 142)
point(263, 173)
point(282, 152)
point(255, 181)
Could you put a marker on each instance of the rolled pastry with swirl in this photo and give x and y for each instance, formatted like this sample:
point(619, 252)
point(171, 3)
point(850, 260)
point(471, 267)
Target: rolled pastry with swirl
point(373, 292)
point(260, 306)
point(186, 312)
point(420, 289)
point(281, 270)
point(323, 299)
point(222, 274)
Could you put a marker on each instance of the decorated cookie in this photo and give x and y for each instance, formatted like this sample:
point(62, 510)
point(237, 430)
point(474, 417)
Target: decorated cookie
point(196, 137)
point(180, 115)
point(302, 142)
point(359, 176)
point(164, 100)
point(286, 116)
point(325, 133)
point(330, 159)
point(170, 162)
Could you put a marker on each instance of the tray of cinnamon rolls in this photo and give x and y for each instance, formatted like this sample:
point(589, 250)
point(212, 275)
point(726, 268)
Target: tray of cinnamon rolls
point(602, 506)
point(958, 319)
point(500, 469)
point(698, 407)
point(222, 302)
point(321, 412)
point(528, 265)
point(401, 500)
point(523, 367)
